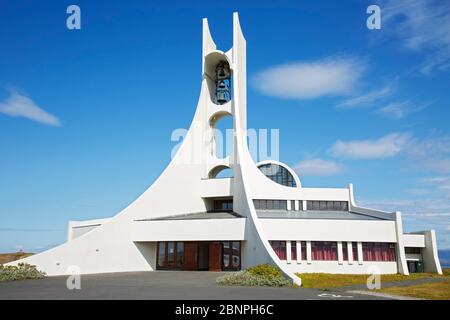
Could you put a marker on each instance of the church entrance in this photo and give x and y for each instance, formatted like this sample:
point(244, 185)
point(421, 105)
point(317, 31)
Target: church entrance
point(199, 255)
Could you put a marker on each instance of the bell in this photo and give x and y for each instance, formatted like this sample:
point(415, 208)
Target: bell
point(221, 85)
point(221, 72)
point(221, 97)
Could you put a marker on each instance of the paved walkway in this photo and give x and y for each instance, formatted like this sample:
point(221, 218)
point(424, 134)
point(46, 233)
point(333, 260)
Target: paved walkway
point(157, 285)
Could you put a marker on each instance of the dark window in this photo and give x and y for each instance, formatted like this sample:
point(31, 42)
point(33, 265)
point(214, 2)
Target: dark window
point(180, 254)
point(278, 174)
point(170, 255)
point(294, 250)
point(303, 246)
point(280, 248)
point(223, 205)
point(327, 205)
point(161, 254)
point(231, 255)
point(411, 250)
point(262, 204)
point(355, 251)
point(276, 204)
point(344, 251)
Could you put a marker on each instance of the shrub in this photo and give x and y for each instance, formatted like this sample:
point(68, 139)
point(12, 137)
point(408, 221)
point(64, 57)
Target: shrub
point(262, 275)
point(20, 272)
point(265, 270)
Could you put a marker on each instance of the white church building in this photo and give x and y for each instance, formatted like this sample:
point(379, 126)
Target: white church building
point(192, 218)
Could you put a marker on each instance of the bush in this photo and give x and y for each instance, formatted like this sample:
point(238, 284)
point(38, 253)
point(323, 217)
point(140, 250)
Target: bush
point(261, 275)
point(20, 272)
point(265, 270)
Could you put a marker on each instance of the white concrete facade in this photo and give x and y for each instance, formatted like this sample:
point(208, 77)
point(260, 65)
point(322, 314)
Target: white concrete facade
point(128, 241)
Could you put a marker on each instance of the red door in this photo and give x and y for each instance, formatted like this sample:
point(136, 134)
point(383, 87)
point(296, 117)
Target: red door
point(190, 256)
point(215, 256)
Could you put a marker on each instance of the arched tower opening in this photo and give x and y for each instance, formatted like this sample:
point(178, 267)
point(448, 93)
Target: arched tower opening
point(222, 136)
point(218, 76)
point(220, 172)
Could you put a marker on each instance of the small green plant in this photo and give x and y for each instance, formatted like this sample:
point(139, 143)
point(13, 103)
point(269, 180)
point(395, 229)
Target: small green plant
point(261, 275)
point(20, 272)
point(265, 270)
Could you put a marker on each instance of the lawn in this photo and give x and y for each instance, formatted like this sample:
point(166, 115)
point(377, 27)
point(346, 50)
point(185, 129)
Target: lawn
point(431, 291)
point(8, 257)
point(325, 280)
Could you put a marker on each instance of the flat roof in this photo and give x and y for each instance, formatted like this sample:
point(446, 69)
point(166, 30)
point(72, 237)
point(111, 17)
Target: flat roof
point(198, 216)
point(313, 214)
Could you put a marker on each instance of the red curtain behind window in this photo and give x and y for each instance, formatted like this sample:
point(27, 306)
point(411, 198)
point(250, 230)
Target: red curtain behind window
point(323, 250)
point(280, 249)
point(377, 251)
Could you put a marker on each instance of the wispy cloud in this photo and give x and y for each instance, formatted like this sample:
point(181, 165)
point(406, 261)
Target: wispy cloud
point(384, 147)
point(369, 98)
point(26, 230)
point(419, 214)
point(318, 167)
point(399, 110)
point(17, 105)
point(423, 25)
point(430, 154)
point(336, 76)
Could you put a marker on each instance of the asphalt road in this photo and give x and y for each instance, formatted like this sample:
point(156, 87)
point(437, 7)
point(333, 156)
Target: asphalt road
point(167, 285)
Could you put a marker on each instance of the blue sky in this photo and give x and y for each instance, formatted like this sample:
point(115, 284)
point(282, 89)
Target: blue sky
point(86, 115)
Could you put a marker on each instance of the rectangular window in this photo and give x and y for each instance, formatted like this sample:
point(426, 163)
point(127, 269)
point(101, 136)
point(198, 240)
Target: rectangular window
point(161, 254)
point(327, 205)
point(344, 251)
point(355, 251)
point(236, 255)
point(411, 250)
point(263, 204)
point(170, 255)
point(324, 250)
point(180, 254)
point(223, 205)
point(276, 204)
point(303, 246)
point(280, 248)
point(293, 250)
point(231, 258)
point(378, 251)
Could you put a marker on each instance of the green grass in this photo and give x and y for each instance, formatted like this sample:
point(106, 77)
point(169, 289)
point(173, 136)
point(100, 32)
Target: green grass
point(326, 280)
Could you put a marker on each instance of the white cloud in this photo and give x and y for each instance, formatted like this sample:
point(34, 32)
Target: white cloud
point(318, 167)
point(366, 100)
point(399, 110)
point(422, 25)
point(431, 154)
point(384, 147)
point(17, 105)
point(305, 80)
